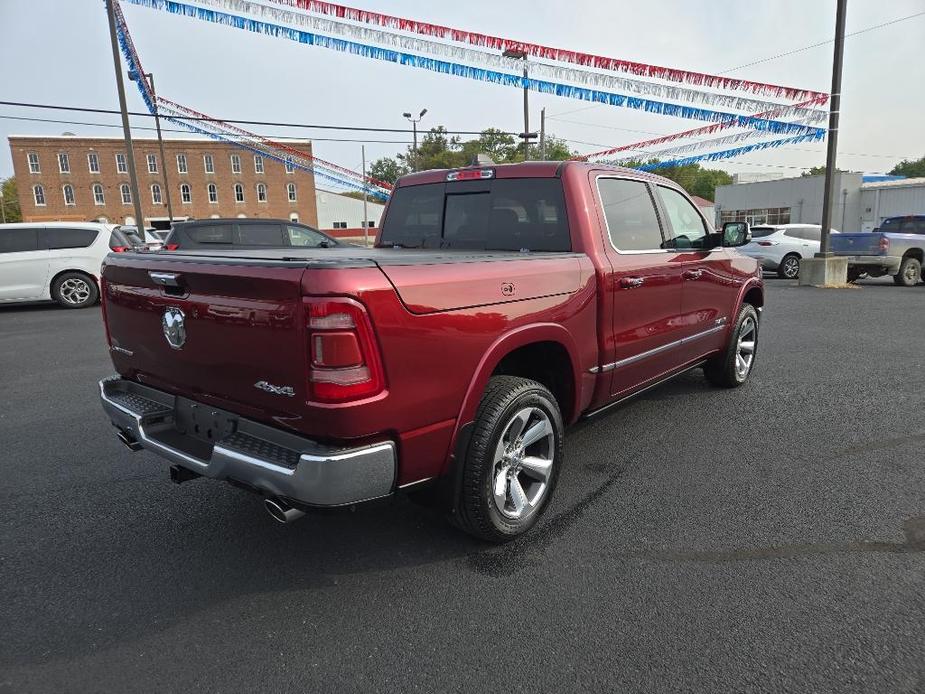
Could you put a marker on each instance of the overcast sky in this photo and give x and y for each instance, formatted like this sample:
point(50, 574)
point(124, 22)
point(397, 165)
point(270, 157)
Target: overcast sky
point(58, 51)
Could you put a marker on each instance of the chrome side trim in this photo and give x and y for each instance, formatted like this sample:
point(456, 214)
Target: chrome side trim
point(658, 350)
point(619, 401)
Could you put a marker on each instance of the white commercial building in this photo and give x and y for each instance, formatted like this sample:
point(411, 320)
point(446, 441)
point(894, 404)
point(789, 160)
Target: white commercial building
point(858, 205)
point(336, 211)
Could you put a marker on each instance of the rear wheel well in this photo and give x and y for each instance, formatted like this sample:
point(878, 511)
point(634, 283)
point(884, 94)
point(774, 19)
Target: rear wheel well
point(547, 363)
point(65, 272)
point(915, 253)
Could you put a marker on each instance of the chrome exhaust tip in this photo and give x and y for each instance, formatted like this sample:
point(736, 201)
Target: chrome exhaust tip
point(129, 441)
point(281, 511)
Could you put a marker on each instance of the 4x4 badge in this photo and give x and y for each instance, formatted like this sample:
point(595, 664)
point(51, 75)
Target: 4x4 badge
point(288, 391)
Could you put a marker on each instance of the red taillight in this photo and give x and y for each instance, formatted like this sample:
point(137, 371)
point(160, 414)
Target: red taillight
point(884, 244)
point(344, 361)
point(470, 174)
point(171, 246)
point(120, 249)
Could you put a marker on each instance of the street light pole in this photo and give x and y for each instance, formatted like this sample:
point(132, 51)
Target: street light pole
point(414, 126)
point(126, 130)
point(160, 145)
point(365, 198)
point(834, 106)
point(2, 205)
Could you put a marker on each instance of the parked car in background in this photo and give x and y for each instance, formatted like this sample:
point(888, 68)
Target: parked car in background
point(57, 260)
point(499, 305)
point(780, 248)
point(245, 233)
point(896, 248)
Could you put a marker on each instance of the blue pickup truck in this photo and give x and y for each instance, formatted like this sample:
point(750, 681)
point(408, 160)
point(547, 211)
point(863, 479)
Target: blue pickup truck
point(896, 248)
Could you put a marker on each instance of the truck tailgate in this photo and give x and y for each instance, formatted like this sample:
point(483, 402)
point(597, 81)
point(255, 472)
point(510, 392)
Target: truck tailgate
point(857, 244)
point(237, 326)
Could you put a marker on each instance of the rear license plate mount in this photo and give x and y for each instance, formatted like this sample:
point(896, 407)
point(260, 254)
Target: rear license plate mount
point(203, 422)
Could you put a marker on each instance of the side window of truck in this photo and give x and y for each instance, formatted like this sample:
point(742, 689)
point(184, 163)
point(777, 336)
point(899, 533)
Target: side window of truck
point(630, 215)
point(687, 227)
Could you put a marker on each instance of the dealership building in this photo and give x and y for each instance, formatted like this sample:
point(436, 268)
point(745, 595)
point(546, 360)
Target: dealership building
point(861, 202)
point(70, 178)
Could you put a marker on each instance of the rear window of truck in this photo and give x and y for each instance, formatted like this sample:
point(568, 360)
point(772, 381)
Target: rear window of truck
point(512, 214)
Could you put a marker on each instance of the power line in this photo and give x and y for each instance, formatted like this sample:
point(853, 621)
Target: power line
point(180, 130)
point(304, 126)
point(821, 43)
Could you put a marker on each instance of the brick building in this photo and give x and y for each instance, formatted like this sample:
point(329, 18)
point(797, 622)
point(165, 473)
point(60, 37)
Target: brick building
point(69, 178)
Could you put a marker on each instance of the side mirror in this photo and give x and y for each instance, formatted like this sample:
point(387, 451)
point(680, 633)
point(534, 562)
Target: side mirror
point(736, 234)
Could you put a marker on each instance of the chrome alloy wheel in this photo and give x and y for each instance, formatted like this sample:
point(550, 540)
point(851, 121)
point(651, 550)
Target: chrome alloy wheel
point(911, 273)
point(791, 267)
point(75, 290)
point(523, 463)
point(745, 349)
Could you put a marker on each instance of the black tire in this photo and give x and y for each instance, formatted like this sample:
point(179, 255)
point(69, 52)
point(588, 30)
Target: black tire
point(789, 268)
point(723, 370)
point(477, 511)
point(854, 275)
point(74, 290)
point(910, 272)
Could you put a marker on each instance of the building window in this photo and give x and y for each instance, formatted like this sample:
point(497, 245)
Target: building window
point(69, 194)
point(34, 163)
point(261, 192)
point(38, 192)
point(238, 192)
point(181, 164)
point(291, 192)
point(64, 164)
point(770, 215)
point(367, 225)
point(98, 198)
point(340, 225)
point(208, 164)
point(213, 193)
point(156, 194)
point(152, 163)
point(93, 162)
point(235, 164)
point(126, 194)
point(121, 166)
point(258, 164)
point(186, 193)
point(290, 167)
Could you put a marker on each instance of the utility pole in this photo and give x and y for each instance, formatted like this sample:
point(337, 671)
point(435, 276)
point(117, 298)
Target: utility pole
point(2, 205)
point(834, 106)
point(126, 130)
point(160, 145)
point(365, 197)
point(518, 54)
point(543, 133)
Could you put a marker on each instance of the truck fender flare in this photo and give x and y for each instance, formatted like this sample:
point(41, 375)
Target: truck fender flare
point(746, 288)
point(501, 347)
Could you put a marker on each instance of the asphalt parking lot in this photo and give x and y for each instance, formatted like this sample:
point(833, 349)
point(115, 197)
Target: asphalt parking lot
point(770, 538)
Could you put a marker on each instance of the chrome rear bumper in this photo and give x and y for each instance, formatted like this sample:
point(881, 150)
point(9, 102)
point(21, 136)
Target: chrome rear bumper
point(274, 462)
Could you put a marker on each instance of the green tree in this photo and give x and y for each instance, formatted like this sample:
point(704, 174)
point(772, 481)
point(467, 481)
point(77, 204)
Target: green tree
point(692, 177)
point(387, 169)
point(10, 201)
point(909, 168)
point(818, 171)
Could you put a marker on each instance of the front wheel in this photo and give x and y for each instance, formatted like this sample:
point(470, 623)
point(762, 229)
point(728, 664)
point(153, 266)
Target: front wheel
point(910, 273)
point(789, 268)
point(732, 366)
point(512, 463)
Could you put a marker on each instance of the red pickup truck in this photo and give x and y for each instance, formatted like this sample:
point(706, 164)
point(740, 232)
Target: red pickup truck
point(499, 305)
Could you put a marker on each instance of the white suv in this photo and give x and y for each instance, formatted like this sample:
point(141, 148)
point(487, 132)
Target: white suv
point(780, 248)
point(56, 260)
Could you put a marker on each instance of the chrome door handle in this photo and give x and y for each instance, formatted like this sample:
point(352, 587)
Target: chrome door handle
point(692, 274)
point(631, 282)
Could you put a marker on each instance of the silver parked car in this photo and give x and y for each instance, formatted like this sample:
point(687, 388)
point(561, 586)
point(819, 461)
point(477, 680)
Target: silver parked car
point(781, 247)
